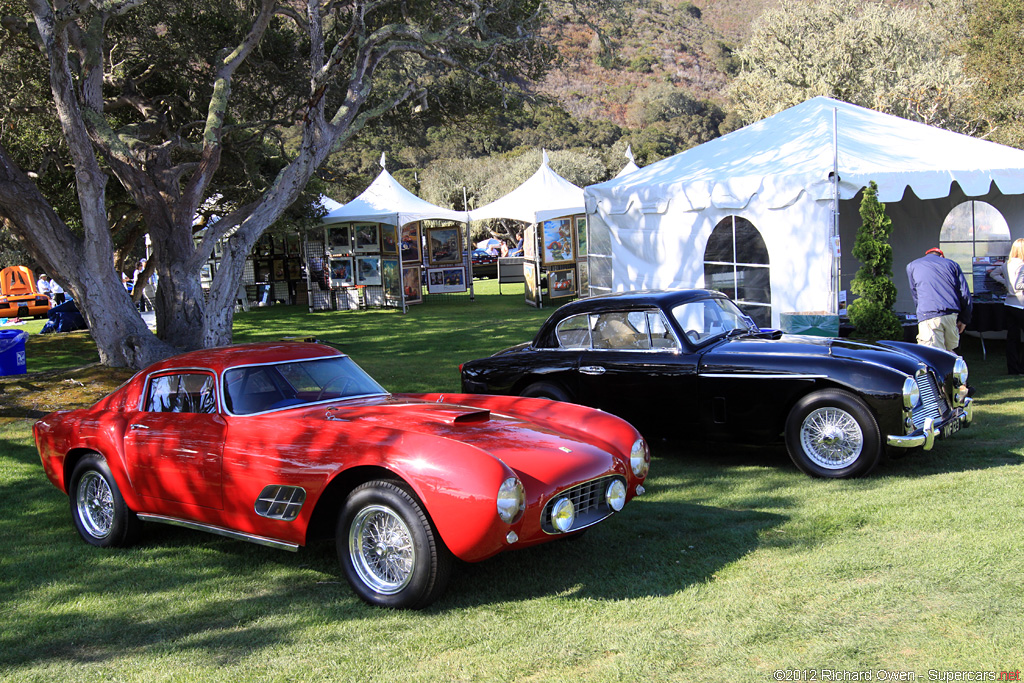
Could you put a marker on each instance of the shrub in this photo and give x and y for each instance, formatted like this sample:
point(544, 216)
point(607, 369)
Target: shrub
point(871, 314)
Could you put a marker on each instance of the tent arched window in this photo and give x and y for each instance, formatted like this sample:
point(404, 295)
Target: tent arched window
point(973, 229)
point(736, 263)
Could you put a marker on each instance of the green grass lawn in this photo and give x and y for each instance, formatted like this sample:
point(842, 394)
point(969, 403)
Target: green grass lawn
point(732, 566)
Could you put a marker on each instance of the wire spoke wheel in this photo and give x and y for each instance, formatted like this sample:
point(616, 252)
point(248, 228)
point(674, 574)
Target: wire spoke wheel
point(95, 505)
point(382, 550)
point(831, 437)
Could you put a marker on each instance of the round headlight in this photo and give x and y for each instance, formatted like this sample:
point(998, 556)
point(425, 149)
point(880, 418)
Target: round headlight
point(616, 495)
point(563, 515)
point(960, 370)
point(640, 458)
point(911, 393)
point(511, 500)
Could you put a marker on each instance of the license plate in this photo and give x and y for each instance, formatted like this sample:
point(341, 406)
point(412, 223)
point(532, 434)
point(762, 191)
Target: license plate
point(951, 428)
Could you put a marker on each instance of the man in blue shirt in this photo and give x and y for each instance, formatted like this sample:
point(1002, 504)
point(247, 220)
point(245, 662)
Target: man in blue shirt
point(942, 298)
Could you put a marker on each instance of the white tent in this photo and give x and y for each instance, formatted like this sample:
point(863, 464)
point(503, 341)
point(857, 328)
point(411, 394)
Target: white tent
point(544, 196)
point(651, 228)
point(386, 201)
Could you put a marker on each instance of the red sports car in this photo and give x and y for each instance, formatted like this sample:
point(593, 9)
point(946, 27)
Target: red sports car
point(279, 443)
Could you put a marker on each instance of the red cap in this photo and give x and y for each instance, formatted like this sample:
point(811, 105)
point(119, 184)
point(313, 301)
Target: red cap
point(935, 250)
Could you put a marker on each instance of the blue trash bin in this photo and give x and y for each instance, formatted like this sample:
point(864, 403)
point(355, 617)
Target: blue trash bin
point(12, 352)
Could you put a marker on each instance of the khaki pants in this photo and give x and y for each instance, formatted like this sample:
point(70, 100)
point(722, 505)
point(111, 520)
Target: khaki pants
point(940, 332)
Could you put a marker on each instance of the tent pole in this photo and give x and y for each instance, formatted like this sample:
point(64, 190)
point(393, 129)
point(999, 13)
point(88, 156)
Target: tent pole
point(834, 298)
point(469, 246)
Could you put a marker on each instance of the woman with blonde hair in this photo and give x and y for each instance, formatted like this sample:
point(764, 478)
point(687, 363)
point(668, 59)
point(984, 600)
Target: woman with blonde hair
point(1011, 274)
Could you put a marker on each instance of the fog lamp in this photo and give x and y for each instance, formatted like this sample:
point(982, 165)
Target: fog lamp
point(563, 514)
point(616, 495)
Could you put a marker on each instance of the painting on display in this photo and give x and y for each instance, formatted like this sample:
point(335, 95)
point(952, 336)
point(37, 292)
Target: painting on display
point(279, 271)
point(339, 239)
point(444, 245)
point(532, 285)
point(263, 271)
point(341, 271)
point(366, 237)
point(583, 278)
point(530, 244)
point(388, 240)
point(557, 242)
point(293, 244)
point(581, 237)
point(294, 269)
point(413, 283)
point(446, 280)
point(389, 276)
point(411, 252)
point(367, 270)
point(265, 245)
point(562, 283)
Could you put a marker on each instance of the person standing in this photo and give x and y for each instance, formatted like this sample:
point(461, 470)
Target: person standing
point(56, 292)
point(942, 298)
point(1011, 275)
point(43, 284)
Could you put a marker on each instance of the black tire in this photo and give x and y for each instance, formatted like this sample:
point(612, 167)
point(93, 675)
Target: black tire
point(831, 433)
point(546, 390)
point(410, 568)
point(100, 514)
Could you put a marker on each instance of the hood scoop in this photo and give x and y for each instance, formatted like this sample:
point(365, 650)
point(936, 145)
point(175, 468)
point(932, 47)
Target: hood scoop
point(450, 414)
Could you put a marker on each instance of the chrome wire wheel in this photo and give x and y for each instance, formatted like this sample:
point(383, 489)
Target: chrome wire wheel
point(95, 504)
point(831, 438)
point(382, 551)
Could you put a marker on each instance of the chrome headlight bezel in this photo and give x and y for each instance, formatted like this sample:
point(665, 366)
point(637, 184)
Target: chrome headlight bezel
point(960, 373)
point(511, 500)
point(911, 393)
point(640, 458)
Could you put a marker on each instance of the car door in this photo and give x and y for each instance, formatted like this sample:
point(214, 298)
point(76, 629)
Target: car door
point(637, 369)
point(174, 443)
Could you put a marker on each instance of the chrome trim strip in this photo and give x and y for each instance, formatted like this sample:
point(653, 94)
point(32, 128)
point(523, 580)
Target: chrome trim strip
point(742, 375)
point(220, 531)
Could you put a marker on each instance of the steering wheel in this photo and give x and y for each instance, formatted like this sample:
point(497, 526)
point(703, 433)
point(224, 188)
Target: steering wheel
point(693, 336)
point(332, 380)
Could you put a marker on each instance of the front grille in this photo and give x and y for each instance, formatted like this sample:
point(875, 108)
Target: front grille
point(933, 403)
point(588, 500)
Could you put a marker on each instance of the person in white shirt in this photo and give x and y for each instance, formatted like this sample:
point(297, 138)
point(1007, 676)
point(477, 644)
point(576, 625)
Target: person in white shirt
point(56, 292)
point(43, 284)
point(1011, 275)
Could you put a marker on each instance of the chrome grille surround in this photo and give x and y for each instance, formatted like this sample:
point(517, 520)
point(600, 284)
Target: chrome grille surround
point(588, 500)
point(933, 402)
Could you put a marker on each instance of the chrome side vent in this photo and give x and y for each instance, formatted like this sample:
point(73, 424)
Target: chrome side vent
point(280, 502)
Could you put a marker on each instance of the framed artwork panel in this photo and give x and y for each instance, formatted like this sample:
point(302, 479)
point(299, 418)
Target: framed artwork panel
point(445, 245)
point(366, 237)
point(446, 280)
point(389, 276)
point(557, 242)
point(388, 240)
point(562, 283)
point(411, 251)
point(341, 271)
point(367, 270)
point(339, 240)
point(413, 283)
point(581, 237)
point(532, 290)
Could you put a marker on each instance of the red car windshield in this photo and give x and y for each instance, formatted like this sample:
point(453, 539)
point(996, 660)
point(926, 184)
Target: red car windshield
point(261, 388)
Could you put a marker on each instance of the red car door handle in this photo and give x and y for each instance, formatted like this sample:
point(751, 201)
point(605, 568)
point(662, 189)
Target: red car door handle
point(138, 426)
point(592, 370)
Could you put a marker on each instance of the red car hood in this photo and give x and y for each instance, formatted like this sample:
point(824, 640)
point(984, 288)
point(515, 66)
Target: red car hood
point(536, 448)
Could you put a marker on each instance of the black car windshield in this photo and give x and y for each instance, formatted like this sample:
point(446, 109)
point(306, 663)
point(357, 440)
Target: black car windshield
point(259, 388)
point(707, 319)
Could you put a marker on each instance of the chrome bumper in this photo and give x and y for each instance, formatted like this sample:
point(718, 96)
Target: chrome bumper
point(925, 437)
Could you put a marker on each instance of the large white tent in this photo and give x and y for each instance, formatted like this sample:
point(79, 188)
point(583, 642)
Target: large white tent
point(545, 195)
point(386, 201)
point(651, 228)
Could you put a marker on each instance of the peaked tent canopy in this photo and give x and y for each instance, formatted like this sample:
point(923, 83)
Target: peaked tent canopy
point(630, 165)
point(386, 201)
point(652, 227)
point(544, 196)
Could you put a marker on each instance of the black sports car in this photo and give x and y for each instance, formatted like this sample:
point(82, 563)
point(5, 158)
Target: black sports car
point(690, 363)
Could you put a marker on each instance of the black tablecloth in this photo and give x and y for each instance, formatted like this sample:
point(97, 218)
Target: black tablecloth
point(988, 317)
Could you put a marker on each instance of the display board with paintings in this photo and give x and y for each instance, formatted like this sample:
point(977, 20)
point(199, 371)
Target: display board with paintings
point(446, 280)
point(555, 259)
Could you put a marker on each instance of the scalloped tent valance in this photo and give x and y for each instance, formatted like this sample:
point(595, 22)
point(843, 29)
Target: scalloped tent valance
point(791, 153)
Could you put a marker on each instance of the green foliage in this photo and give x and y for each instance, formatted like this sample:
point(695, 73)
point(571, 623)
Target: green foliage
point(871, 314)
point(895, 58)
point(643, 62)
point(994, 55)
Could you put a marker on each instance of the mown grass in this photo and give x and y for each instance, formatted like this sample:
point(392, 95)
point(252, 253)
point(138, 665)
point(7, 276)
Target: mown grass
point(732, 566)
